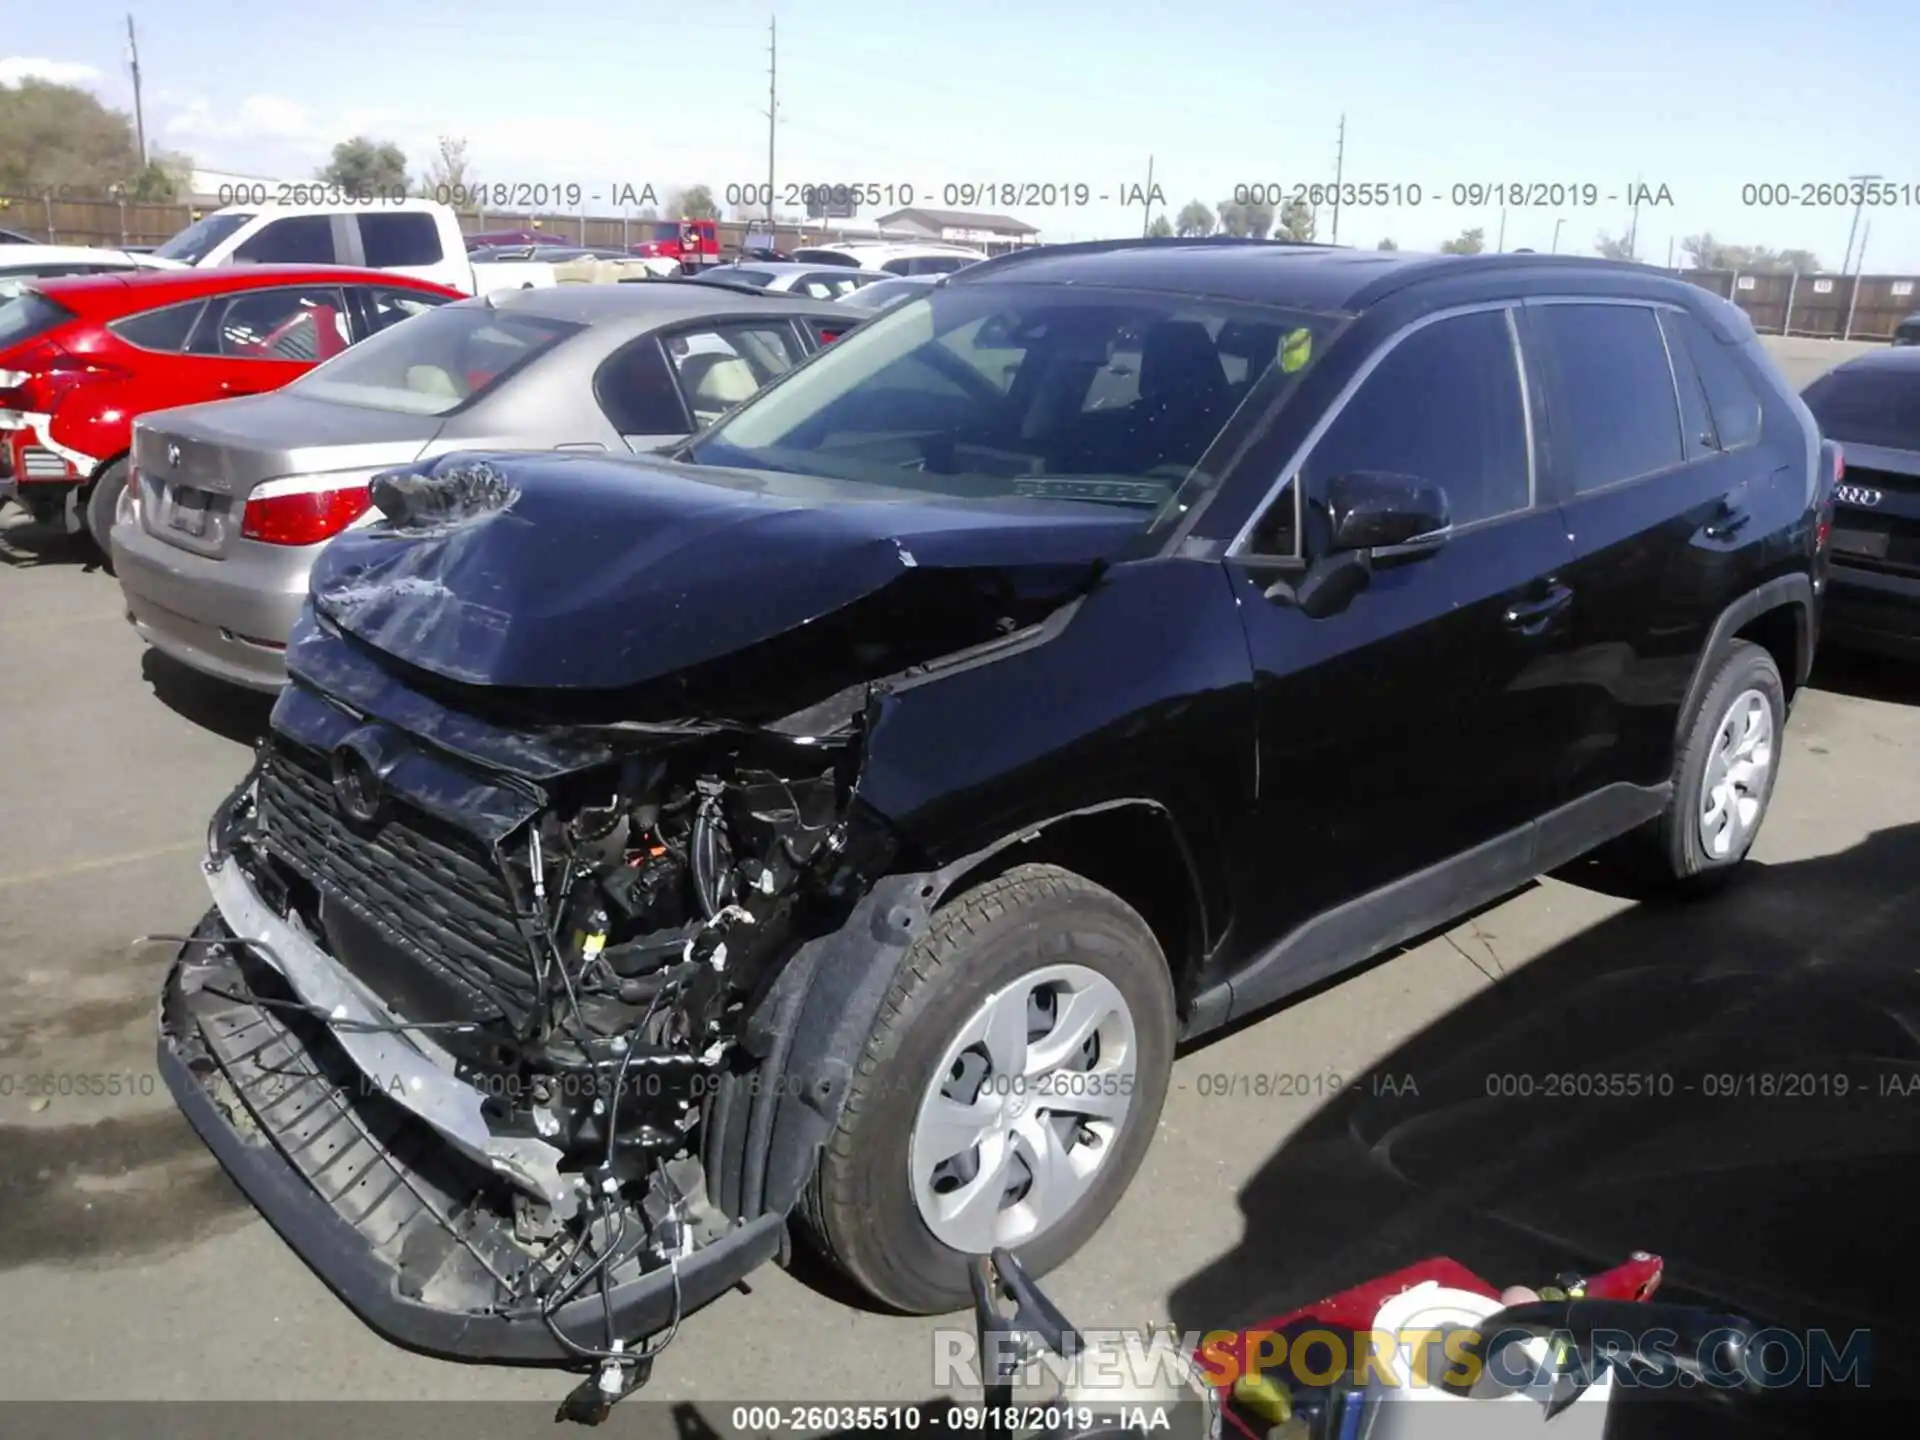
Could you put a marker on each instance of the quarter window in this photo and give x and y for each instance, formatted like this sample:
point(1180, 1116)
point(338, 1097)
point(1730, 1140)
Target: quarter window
point(1610, 392)
point(636, 391)
point(1444, 405)
point(165, 329)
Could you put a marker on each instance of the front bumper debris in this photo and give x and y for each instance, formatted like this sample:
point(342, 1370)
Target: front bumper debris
point(370, 1196)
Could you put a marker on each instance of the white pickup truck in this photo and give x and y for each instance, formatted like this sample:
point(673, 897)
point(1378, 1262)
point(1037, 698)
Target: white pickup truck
point(409, 237)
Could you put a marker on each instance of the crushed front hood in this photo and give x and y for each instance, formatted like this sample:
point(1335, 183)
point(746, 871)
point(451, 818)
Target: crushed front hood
point(539, 572)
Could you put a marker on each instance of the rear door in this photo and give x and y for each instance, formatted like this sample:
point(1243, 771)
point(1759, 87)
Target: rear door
point(718, 364)
point(406, 242)
point(258, 340)
point(1657, 507)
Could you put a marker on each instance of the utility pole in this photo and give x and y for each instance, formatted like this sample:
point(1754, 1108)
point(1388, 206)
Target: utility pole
point(1555, 250)
point(1853, 291)
point(1146, 225)
point(1339, 166)
point(1854, 229)
point(1669, 252)
point(1500, 244)
point(773, 106)
point(139, 114)
point(1633, 224)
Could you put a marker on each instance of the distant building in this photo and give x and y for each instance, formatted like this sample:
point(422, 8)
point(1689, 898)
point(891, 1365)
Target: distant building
point(960, 227)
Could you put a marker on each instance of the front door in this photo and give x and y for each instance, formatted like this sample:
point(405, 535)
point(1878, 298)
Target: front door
point(1422, 720)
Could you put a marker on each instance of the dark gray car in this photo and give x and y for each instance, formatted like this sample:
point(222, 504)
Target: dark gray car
point(229, 502)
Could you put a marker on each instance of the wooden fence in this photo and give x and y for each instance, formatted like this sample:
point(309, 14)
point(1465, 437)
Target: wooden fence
point(1864, 307)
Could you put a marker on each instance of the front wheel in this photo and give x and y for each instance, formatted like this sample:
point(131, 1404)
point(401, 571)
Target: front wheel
point(1007, 1095)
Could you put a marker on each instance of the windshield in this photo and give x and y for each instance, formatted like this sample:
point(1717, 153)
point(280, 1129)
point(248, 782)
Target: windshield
point(1875, 405)
point(27, 314)
point(987, 391)
point(436, 362)
point(197, 241)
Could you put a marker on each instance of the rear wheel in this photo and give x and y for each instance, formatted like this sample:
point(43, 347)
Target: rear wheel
point(1007, 1095)
point(1724, 775)
point(103, 503)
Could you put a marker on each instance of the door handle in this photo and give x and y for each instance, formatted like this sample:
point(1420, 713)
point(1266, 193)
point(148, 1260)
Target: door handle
point(1531, 617)
point(1728, 523)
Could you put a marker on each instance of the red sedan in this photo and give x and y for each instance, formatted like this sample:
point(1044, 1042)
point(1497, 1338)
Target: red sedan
point(82, 358)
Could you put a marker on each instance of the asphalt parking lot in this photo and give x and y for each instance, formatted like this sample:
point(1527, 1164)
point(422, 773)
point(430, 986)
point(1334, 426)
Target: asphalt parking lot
point(130, 1269)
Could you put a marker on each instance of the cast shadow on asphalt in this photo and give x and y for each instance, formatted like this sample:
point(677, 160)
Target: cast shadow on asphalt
point(26, 544)
point(227, 710)
point(1771, 1154)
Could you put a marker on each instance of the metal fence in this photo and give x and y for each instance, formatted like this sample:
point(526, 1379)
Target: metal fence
point(1825, 307)
point(1863, 307)
point(113, 222)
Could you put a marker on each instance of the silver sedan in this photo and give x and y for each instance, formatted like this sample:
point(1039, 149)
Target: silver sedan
point(228, 503)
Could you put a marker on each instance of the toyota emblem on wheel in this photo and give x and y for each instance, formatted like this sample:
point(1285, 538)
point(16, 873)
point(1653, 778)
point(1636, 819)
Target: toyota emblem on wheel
point(1859, 495)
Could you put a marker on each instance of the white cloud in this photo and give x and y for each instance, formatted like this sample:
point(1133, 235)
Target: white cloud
point(258, 118)
point(15, 68)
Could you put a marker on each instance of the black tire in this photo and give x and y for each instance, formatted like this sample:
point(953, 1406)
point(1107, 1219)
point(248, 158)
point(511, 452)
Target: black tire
point(102, 500)
point(1671, 849)
point(858, 1209)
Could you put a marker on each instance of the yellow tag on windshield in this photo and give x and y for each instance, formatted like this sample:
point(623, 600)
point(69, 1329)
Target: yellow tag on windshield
point(1296, 350)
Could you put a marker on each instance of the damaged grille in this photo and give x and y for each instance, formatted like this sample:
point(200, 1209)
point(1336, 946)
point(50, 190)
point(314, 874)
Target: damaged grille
point(437, 897)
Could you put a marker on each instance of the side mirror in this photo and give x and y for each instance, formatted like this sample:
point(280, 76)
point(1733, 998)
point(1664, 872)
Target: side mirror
point(1395, 514)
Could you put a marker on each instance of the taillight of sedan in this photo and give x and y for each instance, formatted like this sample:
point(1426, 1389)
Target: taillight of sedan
point(303, 509)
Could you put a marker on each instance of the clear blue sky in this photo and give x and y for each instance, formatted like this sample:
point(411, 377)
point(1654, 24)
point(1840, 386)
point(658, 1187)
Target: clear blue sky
point(1218, 92)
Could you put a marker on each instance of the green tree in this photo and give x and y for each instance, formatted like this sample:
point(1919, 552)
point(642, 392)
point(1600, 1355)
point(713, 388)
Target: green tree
point(695, 203)
point(60, 137)
point(1703, 252)
point(450, 173)
point(1467, 242)
point(1387, 244)
point(1297, 221)
point(1610, 248)
point(1237, 218)
point(1194, 219)
point(366, 166)
point(1160, 229)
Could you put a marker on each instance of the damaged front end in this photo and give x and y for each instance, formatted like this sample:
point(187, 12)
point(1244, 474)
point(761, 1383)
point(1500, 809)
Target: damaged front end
point(551, 917)
point(487, 1020)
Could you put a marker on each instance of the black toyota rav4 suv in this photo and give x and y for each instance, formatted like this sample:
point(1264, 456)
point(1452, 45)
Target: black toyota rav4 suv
point(831, 828)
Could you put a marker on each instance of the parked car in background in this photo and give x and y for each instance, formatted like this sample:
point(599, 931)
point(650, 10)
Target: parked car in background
point(1871, 408)
point(233, 501)
point(690, 244)
point(944, 753)
point(816, 282)
point(81, 359)
point(418, 238)
point(1907, 332)
point(490, 238)
point(14, 237)
point(889, 291)
point(21, 265)
point(894, 257)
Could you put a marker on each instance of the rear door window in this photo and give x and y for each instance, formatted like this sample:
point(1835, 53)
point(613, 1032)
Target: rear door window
point(394, 239)
point(1614, 408)
point(296, 240)
point(1730, 396)
point(720, 366)
point(301, 323)
point(165, 330)
point(637, 393)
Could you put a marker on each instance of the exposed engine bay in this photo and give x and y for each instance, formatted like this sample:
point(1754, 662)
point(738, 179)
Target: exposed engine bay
point(594, 1001)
